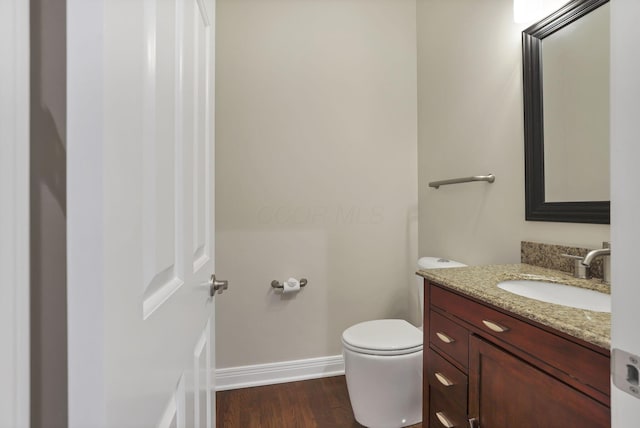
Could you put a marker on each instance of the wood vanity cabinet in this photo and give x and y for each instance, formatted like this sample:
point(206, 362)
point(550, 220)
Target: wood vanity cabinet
point(488, 368)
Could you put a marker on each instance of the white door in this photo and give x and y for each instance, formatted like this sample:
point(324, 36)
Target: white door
point(14, 214)
point(625, 197)
point(140, 213)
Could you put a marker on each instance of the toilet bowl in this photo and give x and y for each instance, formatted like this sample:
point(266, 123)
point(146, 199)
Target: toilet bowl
point(383, 366)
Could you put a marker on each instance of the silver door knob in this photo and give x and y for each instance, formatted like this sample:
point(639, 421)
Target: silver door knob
point(217, 285)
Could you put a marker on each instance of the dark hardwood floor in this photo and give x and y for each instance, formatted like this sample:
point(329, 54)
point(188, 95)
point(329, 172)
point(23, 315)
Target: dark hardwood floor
point(319, 403)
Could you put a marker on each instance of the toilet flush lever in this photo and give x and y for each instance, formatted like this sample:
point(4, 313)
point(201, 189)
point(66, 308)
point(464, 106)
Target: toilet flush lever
point(216, 285)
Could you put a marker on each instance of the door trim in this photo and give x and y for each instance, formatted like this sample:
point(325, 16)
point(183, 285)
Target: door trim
point(85, 146)
point(14, 215)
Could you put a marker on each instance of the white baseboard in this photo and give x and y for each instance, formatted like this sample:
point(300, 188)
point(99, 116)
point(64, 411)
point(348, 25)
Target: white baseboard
point(272, 373)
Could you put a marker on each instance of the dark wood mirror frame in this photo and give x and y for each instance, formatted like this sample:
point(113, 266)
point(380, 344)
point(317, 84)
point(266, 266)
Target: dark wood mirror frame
point(535, 206)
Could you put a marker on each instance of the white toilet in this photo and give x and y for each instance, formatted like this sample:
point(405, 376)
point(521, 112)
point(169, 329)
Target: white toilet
point(383, 366)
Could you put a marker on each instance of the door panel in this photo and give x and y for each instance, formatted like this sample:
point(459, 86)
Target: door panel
point(202, 376)
point(505, 391)
point(162, 173)
point(174, 412)
point(14, 214)
point(202, 133)
point(155, 192)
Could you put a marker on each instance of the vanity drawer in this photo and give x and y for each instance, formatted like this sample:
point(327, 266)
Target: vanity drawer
point(585, 365)
point(442, 413)
point(448, 380)
point(450, 338)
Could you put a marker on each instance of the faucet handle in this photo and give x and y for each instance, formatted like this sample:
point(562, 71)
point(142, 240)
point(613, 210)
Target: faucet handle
point(572, 256)
point(579, 270)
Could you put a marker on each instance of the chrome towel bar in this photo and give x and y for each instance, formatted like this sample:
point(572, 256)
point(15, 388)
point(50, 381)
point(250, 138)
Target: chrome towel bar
point(488, 178)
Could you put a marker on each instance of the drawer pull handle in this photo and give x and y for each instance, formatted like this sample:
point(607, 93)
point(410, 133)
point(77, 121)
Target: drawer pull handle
point(444, 420)
point(445, 338)
point(443, 379)
point(495, 326)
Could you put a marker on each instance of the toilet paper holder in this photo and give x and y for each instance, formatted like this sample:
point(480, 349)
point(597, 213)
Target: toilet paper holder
point(277, 284)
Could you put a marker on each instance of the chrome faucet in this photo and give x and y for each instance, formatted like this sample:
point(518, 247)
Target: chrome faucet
point(605, 251)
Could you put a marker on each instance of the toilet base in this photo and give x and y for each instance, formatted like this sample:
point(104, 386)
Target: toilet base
point(385, 391)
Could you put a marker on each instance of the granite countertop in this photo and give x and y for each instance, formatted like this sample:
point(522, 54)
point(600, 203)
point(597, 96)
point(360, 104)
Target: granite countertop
point(480, 282)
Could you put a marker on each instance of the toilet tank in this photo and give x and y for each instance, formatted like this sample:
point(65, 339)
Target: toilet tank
point(431, 263)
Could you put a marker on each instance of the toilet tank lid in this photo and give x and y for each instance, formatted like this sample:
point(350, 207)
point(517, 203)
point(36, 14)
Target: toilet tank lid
point(437, 262)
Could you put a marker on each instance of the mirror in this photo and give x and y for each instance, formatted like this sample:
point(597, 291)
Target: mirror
point(566, 105)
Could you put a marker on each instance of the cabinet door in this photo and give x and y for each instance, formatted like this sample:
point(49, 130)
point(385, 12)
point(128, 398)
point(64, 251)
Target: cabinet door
point(505, 392)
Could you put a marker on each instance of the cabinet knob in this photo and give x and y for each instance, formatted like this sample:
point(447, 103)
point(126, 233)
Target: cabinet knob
point(473, 423)
point(445, 338)
point(444, 420)
point(495, 326)
point(443, 379)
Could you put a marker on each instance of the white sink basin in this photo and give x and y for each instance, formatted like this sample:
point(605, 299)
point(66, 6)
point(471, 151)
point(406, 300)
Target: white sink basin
point(560, 294)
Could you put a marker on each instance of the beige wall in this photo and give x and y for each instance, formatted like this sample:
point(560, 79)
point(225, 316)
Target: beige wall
point(470, 122)
point(316, 172)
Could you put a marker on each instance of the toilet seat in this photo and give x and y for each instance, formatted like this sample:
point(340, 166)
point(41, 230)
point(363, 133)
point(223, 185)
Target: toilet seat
point(383, 337)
